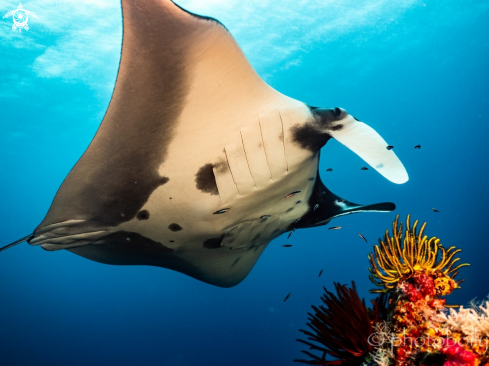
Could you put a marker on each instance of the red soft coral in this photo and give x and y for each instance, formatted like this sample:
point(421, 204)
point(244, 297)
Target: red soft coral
point(457, 355)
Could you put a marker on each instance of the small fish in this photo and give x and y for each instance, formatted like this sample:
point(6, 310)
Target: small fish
point(286, 297)
point(265, 216)
point(316, 206)
point(221, 211)
point(417, 147)
point(286, 246)
point(329, 169)
point(361, 236)
point(435, 210)
point(334, 228)
point(390, 147)
point(364, 168)
point(298, 202)
point(291, 233)
point(320, 273)
point(292, 194)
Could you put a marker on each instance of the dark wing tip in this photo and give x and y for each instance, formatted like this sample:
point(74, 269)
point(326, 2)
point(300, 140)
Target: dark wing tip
point(203, 17)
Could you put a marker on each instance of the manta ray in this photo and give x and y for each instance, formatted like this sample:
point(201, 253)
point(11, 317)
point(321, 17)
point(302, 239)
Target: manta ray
point(198, 164)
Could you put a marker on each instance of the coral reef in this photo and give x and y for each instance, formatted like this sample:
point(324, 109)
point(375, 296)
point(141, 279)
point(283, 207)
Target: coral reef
point(410, 324)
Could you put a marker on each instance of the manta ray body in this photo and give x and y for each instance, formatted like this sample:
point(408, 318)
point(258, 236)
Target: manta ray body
point(198, 163)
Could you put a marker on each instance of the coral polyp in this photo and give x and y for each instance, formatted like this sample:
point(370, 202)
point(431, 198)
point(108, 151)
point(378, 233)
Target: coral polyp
point(408, 252)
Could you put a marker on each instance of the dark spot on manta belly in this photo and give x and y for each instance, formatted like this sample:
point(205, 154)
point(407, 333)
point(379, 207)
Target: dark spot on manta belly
point(206, 181)
point(213, 243)
point(143, 215)
point(174, 227)
point(313, 134)
point(309, 137)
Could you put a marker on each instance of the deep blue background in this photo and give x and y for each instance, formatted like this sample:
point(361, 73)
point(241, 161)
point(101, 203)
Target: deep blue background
point(417, 72)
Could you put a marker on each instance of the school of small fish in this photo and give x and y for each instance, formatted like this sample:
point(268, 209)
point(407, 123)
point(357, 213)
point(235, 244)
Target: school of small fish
point(389, 147)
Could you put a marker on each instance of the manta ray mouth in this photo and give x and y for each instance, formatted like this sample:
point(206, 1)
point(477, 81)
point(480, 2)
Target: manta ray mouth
point(376, 207)
point(324, 206)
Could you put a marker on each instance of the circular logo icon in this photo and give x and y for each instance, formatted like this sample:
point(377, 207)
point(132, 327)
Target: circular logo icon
point(20, 18)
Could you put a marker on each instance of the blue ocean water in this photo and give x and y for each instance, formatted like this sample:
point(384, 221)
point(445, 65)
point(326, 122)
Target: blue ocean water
point(416, 71)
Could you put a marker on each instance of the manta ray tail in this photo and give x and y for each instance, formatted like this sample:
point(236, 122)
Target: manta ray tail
point(25, 238)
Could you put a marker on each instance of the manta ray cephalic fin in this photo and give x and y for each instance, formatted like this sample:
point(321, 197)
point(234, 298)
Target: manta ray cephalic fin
point(364, 141)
